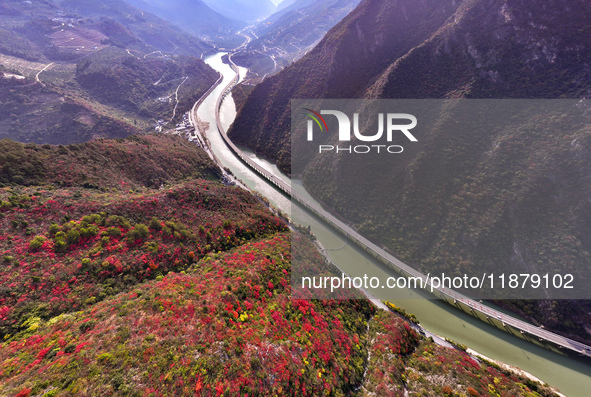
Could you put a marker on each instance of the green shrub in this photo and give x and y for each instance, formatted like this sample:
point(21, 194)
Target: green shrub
point(105, 358)
point(37, 242)
point(155, 224)
point(73, 236)
point(139, 232)
point(84, 327)
point(115, 220)
point(53, 229)
point(60, 244)
point(93, 230)
point(89, 231)
point(114, 231)
point(152, 246)
point(457, 345)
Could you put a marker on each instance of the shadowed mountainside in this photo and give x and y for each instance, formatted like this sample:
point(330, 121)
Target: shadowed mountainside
point(518, 196)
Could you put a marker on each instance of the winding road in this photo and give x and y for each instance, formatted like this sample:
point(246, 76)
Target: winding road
point(41, 71)
point(562, 368)
point(494, 317)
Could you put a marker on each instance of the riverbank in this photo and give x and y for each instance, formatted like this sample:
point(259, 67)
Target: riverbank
point(438, 339)
point(570, 374)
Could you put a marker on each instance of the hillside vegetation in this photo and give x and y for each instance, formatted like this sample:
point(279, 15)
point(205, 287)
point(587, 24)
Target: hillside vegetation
point(123, 164)
point(136, 84)
point(31, 112)
point(155, 32)
point(95, 229)
point(114, 284)
point(94, 71)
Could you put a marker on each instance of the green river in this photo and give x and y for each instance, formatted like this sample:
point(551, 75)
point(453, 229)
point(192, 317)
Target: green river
point(571, 375)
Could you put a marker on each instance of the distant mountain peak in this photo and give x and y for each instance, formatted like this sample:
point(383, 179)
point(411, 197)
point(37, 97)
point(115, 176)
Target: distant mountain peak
point(194, 16)
point(243, 10)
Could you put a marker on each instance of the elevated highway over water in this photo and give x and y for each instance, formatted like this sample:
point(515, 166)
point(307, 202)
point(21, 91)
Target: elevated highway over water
point(561, 367)
point(494, 317)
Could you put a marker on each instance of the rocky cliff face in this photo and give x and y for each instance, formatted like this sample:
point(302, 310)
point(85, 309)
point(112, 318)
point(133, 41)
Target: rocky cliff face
point(508, 49)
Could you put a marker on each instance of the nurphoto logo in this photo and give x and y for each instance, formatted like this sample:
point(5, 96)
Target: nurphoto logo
point(394, 123)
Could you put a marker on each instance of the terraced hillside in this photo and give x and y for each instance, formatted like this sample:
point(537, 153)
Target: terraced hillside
point(89, 73)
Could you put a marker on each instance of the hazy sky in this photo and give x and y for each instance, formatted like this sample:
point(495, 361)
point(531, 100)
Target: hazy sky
point(276, 1)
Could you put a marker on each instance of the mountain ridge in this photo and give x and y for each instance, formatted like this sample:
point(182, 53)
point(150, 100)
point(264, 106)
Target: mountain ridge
point(243, 10)
point(289, 34)
point(318, 75)
point(195, 16)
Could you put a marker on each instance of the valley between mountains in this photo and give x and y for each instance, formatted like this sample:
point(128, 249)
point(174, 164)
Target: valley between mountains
point(132, 264)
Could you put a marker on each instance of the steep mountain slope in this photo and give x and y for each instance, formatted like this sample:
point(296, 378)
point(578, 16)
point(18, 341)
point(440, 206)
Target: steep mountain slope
point(118, 285)
point(518, 49)
point(64, 119)
point(242, 10)
point(517, 196)
point(15, 45)
point(75, 72)
point(343, 65)
point(147, 86)
point(290, 33)
point(110, 93)
point(512, 52)
point(193, 16)
point(154, 31)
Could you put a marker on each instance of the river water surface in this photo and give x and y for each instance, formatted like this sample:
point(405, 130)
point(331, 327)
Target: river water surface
point(571, 375)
